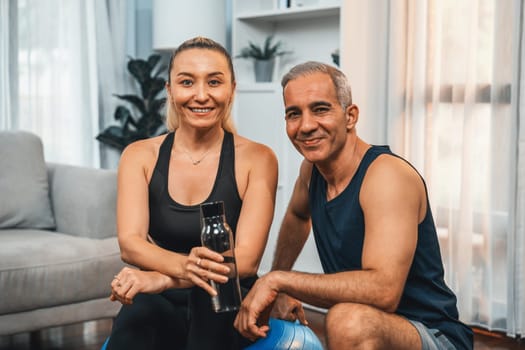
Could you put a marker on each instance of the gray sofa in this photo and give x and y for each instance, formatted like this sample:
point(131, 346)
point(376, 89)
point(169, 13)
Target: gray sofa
point(58, 245)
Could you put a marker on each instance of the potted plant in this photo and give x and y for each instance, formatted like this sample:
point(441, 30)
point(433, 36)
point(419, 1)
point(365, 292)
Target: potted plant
point(335, 57)
point(264, 57)
point(149, 122)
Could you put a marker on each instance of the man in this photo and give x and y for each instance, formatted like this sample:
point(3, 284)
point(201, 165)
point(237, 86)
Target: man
point(383, 283)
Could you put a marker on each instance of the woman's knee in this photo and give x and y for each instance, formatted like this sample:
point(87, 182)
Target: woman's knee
point(141, 312)
point(150, 318)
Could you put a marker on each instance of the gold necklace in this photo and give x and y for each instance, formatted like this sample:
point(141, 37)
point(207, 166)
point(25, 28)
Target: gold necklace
point(198, 161)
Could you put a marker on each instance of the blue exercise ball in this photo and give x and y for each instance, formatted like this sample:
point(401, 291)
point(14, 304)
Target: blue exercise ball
point(105, 344)
point(286, 335)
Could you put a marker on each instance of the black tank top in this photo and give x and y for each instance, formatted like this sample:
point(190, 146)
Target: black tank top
point(175, 226)
point(339, 230)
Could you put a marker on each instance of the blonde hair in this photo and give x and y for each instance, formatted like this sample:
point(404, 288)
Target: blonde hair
point(172, 117)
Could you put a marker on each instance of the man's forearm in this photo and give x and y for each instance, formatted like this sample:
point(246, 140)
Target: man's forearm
point(327, 290)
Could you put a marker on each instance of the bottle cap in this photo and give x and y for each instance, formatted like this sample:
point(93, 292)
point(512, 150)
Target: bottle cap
point(212, 209)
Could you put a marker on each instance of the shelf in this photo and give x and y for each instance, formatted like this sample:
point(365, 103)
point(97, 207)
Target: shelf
point(258, 87)
point(296, 13)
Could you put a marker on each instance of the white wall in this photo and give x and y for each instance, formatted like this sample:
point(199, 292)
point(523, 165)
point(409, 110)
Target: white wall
point(176, 21)
point(364, 32)
point(259, 115)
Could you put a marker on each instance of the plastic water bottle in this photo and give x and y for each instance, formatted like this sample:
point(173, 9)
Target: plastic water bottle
point(217, 235)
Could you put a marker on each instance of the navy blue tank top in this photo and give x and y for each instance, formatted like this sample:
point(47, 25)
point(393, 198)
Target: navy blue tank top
point(175, 226)
point(339, 230)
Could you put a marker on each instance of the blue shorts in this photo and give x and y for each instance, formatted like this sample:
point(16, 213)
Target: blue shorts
point(432, 339)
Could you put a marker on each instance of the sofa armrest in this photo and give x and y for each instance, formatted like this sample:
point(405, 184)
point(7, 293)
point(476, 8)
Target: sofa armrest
point(83, 200)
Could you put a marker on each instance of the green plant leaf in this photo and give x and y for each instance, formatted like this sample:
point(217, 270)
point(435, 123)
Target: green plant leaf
point(156, 105)
point(114, 137)
point(140, 69)
point(162, 69)
point(152, 87)
point(153, 60)
point(135, 100)
point(121, 113)
point(150, 122)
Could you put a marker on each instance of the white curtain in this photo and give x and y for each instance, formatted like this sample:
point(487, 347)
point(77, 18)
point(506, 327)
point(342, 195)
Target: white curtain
point(57, 77)
point(452, 97)
point(113, 78)
point(517, 242)
point(8, 65)
point(68, 55)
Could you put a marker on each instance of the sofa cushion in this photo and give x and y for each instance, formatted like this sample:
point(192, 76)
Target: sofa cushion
point(23, 182)
point(84, 200)
point(45, 269)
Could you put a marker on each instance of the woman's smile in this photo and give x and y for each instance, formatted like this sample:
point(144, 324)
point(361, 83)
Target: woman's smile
point(201, 110)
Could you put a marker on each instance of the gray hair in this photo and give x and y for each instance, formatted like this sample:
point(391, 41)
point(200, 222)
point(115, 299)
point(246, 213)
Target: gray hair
point(341, 84)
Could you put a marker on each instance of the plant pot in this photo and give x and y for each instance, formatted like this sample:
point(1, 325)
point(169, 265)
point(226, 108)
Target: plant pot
point(263, 70)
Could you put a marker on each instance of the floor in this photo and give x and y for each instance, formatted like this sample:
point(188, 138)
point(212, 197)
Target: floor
point(91, 336)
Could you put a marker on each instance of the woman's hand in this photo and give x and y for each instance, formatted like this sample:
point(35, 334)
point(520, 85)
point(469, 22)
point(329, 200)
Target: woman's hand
point(203, 265)
point(129, 282)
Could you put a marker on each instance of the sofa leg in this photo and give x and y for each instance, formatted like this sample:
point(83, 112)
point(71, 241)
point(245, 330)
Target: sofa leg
point(35, 340)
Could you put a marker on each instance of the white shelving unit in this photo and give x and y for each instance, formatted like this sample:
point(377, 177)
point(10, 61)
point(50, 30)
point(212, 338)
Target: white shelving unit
point(296, 13)
point(311, 32)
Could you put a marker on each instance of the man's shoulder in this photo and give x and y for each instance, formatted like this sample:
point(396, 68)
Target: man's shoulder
point(389, 173)
point(387, 164)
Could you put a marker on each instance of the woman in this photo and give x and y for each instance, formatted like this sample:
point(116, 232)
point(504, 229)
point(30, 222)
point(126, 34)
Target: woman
point(161, 182)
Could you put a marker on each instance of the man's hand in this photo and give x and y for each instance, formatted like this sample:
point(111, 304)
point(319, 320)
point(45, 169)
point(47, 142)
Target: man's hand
point(288, 308)
point(252, 319)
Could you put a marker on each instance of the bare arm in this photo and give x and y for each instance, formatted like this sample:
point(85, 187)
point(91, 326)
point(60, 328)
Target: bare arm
point(393, 201)
point(296, 224)
point(135, 166)
point(257, 208)
point(293, 234)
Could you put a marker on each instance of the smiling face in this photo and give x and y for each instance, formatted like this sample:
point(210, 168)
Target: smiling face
point(201, 88)
point(316, 123)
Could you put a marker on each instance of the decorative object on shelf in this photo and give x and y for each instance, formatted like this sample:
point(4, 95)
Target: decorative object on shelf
point(335, 57)
point(150, 122)
point(303, 3)
point(284, 4)
point(264, 57)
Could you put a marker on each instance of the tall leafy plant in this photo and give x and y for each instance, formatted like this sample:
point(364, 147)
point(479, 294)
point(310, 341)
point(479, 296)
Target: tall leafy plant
point(149, 121)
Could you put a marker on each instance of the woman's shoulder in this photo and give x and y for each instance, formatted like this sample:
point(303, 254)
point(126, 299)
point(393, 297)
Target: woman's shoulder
point(143, 151)
point(255, 164)
point(249, 149)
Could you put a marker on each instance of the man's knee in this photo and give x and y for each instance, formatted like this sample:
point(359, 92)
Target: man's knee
point(346, 318)
point(351, 323)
